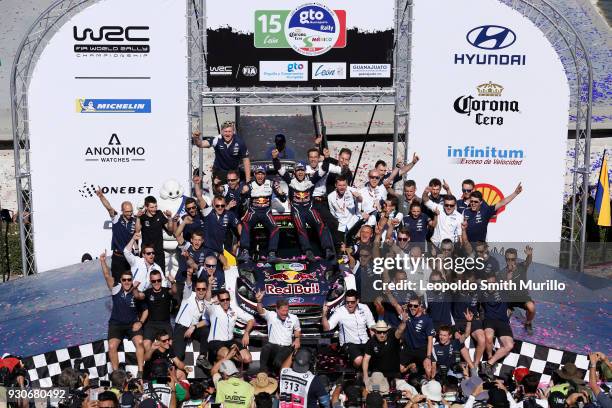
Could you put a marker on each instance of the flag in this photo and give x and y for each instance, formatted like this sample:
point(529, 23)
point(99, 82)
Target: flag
point(602, 197)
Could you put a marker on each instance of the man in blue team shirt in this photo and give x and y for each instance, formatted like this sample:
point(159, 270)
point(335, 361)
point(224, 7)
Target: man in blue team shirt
point(418, 337)
point(417, 224)
point(230, 149)
point(479, 213)
point(124, 225)
point(467, 186)
point(496, 324)
point(196, 218)
point(231, 192)
point(439, 303)
point(217, 223)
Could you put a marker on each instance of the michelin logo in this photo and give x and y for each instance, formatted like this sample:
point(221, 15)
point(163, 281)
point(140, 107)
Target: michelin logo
point(113, 105)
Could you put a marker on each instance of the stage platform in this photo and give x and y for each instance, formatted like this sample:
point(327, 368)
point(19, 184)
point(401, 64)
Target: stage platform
point(55, 317)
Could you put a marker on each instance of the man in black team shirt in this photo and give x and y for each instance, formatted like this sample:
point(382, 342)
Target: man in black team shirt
point(152, 224)
point(157, 302)
point(517, 273)
point(382, 350)
point(161, 351)
point(496, 324)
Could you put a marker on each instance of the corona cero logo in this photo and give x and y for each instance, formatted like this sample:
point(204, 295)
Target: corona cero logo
point(491, 195)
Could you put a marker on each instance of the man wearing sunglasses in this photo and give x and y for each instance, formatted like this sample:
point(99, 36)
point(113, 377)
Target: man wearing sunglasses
point(259, 193)
point(189, 324)
point(231, 192)
point(479, 213)
point(302, 213)
point(162, 350)
point(196, 219)
point(354, 319)
point(217, 224)
point(193, 250)
point(124, 321)
point(157, 304)
point(448, 220)
point(467, 186)
point(223, 318)
point(141, 266)
point(124, 225)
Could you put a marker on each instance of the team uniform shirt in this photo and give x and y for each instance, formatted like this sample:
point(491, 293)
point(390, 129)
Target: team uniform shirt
point(196, 225)
point(222, 323)
point(320, 189)
point(219, 277)
point(300, 390)
point(280, 332)
point(478, 222)
point(344, 209)
point(442, 354)
point(448, 225)
point(494, 308)
point(141, 270)
point(152, 229)
point(198, 256)
point(124, 309)
point(158, 304)
point(418, 329)
point(491, 266)
point(439, 304)
point(191, 309)
point(228, 155)
point(123, 230)
point(417, 228)
point(330, 184)
point(353, 326)
point(397, 177)
point(462, 205)
point(234, 393)
point(162, 391)
point(233, 194)
point(385, 355)
point(371, 197)
point(216, 227)
point(463, 300)
point(260, 195)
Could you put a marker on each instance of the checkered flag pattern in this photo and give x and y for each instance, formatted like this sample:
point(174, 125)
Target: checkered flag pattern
point(43, 369)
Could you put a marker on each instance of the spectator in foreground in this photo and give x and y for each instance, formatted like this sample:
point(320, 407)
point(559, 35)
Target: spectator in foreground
point(299, 384)
point(232, 391)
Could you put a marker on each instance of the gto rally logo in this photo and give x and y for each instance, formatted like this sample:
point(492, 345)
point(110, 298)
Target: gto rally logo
point(117, 40)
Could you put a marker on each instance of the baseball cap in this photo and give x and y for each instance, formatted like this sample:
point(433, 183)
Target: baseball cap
point(259, 169)
point(301, 361)
point(228, 368)
point(300, 165)
point(432, 390)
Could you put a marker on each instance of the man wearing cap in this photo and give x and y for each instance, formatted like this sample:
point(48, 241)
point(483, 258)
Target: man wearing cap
point(233, 391)
point(300, 387)
point(383, 349)
point(284, 332)
point(259, 193)
point(300, 199)
point(230, 149)
point(354, 319)
point(123, 228)
point(280, 145)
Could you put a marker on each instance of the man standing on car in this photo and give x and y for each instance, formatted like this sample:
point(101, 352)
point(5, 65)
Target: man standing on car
point(259, 193)
point(300, 198)
point(284, 333)
point(151, 225)
point(124, 225)
point(355, 320)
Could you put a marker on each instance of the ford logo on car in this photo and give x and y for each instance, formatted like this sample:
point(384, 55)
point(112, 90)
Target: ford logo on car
point(491, 37)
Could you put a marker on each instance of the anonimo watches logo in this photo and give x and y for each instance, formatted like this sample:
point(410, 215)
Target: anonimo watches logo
point(115, 152)
point(117, 40)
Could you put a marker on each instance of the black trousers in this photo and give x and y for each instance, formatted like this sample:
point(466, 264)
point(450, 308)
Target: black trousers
point(330, 221)
point(179, 342)
point(272, 356)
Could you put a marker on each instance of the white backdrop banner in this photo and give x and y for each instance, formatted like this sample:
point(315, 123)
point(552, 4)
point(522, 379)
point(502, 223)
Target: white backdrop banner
point(107, 107)
point(489, 101)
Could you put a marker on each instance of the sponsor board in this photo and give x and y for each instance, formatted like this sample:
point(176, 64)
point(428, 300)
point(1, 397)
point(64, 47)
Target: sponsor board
point(487, 155)
point(328, 70)
point(90, 105)
point(115, 152)
point(370, 70)
point(491, 38)
point(88, 190)
point(292, 289)
point(275, 71)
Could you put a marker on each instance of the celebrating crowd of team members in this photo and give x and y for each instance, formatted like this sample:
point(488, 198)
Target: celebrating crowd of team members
point(404, 346)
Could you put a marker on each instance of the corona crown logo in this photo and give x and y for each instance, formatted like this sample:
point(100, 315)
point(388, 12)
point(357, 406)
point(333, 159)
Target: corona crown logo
point(490, 89)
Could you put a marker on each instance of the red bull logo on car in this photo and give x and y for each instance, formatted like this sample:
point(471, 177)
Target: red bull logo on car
point(291, 276)
point(308, 289)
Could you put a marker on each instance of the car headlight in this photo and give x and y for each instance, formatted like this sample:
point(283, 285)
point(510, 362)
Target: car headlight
point(336, 290)
point(245, 290)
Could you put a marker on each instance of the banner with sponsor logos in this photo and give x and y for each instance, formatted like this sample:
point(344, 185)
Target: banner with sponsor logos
point(489, 102)
point(107, 106)
point(299, 43)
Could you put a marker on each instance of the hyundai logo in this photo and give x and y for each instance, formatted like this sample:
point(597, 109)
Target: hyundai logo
point(491, 37)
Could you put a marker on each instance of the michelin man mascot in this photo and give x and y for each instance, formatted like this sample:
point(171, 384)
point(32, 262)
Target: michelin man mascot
point(171, 198)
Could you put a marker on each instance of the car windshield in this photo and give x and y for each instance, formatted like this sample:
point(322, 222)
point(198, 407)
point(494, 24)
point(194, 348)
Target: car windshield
point(288, 243)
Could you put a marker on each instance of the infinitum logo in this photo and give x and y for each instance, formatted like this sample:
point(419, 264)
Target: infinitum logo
point(487, 155)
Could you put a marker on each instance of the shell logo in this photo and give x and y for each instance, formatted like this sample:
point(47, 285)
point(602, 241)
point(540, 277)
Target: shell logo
point(491, 195)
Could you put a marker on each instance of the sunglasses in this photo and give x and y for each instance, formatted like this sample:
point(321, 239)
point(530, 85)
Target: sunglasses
point(475, 201)
point(449, 205)
point(467, 190)
point(156, 280)
point(381, 332)
point(232, 180)
point(219, 205)
point(191, 208)
point(413, 306)
point(126, 279)
point(402, 239)
point(374, 178)
point(149, 253)
point(211, 265)
point(164, 340)
point(200, 289)
point(351, 302)
point(224, 300)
